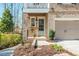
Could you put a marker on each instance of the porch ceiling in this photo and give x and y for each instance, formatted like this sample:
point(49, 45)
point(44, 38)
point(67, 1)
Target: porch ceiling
point(35, 10)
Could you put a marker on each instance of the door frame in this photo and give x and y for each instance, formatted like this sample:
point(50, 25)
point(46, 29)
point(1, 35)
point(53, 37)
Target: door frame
point(37, 18)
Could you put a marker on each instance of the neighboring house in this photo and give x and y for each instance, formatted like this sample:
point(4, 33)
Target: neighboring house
point(62, 18)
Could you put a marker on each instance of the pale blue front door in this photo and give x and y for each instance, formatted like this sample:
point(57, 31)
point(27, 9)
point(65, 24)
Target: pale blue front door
point(41, 26)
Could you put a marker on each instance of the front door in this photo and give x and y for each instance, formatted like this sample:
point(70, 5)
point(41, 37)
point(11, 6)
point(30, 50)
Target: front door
point(38, 24)
point(41, 26)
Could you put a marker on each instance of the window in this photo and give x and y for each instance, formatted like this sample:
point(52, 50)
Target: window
point(41, 24)
point(32, 21)
point(35, 3)
point(59, 3)
point(74, 3)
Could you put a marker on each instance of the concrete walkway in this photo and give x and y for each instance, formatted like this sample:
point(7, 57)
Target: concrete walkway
point(8, 51)
point(41, 42)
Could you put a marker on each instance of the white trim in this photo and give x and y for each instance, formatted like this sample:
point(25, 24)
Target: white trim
point(66, 19)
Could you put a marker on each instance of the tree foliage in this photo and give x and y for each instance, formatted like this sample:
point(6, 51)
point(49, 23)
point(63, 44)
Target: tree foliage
point(6, 23)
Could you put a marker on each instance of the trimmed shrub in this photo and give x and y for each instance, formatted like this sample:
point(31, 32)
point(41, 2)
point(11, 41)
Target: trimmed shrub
point(51, 34)
point(9, 40)
point(58, 48)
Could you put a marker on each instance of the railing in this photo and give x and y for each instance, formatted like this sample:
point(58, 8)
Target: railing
point(36, 6)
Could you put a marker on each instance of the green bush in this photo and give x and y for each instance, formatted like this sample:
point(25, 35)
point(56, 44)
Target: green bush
point(9, 40)
point(58, 48)
point(51, 34)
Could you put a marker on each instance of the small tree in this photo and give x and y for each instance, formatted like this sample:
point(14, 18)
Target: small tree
point(6, 24)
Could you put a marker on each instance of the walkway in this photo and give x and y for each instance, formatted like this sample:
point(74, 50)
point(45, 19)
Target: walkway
point(41, 42)
point(7, 51)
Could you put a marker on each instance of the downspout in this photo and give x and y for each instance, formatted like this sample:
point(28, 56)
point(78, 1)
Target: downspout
point(22, 27)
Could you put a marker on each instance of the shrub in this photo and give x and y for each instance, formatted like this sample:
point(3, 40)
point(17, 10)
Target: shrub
point(58, 48)
point(9, 40)
point(51, 34)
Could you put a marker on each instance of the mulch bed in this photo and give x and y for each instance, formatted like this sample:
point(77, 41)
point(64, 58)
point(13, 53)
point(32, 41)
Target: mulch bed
point(1, 48)
point(45, 50)
point(28, 50)
point(24, 49)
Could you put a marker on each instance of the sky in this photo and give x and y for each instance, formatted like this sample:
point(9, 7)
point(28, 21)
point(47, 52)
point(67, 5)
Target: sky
point(1, 9)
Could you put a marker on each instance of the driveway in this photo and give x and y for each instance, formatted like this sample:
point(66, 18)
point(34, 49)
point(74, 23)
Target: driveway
point(70, 45)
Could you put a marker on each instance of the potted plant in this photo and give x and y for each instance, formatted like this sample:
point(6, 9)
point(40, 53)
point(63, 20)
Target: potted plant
point(52, 34)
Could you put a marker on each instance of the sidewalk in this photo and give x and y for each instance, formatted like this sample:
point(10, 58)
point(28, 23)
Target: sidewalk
point(8, 51)
point(41, 42)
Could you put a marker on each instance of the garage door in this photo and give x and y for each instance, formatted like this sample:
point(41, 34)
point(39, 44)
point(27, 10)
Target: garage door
point(67, 29)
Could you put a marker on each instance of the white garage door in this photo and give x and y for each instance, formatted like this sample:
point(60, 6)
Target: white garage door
point(67, 29)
